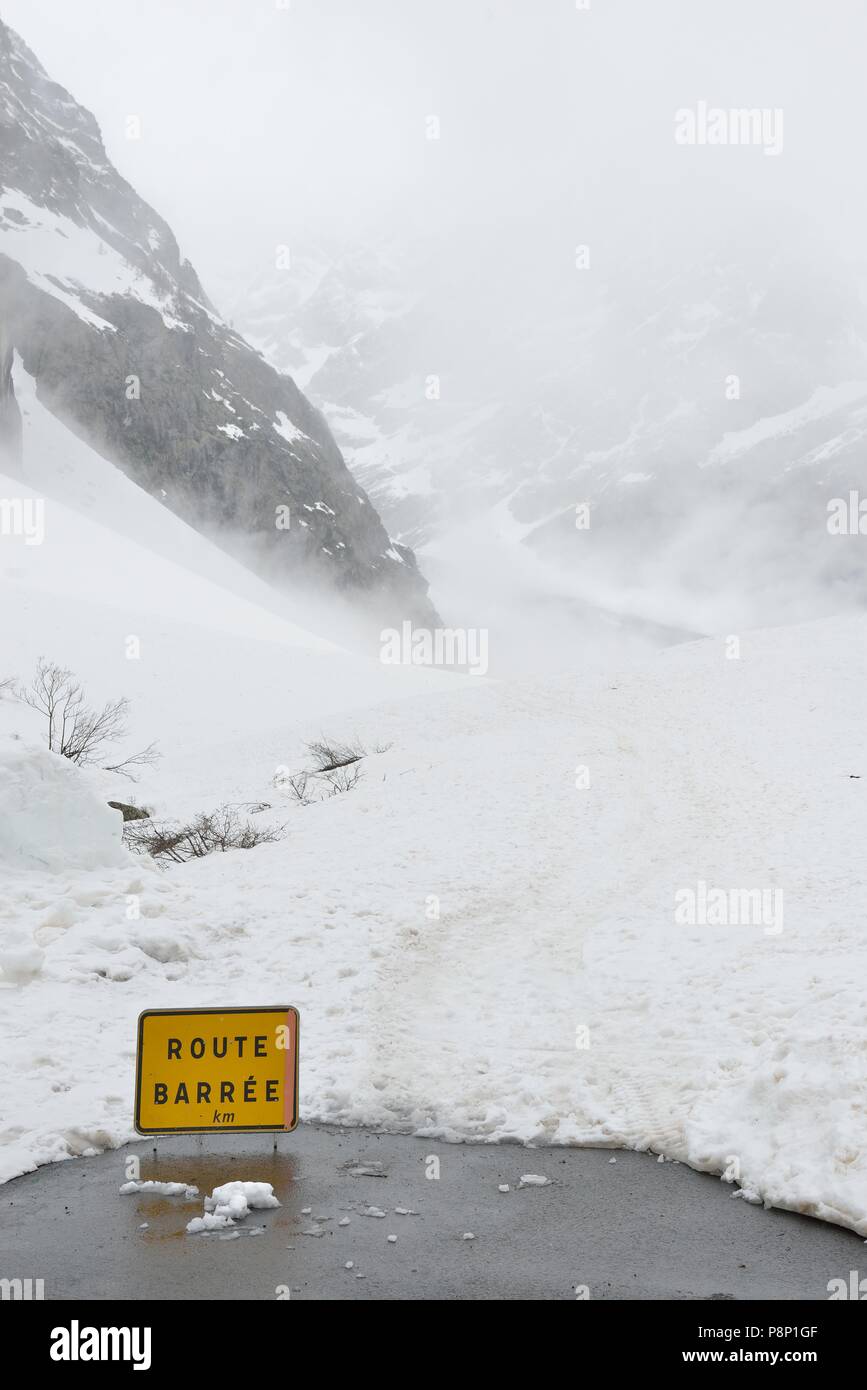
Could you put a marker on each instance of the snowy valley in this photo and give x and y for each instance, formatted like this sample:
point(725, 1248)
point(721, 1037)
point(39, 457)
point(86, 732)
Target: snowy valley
point(482, 935)
point(599, 883)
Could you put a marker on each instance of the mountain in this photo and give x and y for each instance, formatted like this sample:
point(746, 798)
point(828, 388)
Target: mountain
point(127, 350)
point(705, 403)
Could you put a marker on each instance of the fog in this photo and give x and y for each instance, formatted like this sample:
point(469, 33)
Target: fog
point(482, 143)
point(262, 124)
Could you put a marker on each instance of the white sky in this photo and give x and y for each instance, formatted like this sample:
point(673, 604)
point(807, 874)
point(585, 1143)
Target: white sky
point(263, 125)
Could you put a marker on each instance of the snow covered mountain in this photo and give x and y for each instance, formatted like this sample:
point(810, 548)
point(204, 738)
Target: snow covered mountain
point(705, 409)
point(128, 351)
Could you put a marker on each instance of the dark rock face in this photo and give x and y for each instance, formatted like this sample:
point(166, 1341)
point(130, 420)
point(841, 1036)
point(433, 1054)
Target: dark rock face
point(128, 351)
point(128, 811)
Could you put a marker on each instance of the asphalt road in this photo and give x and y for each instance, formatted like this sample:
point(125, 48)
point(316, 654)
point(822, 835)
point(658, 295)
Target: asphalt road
point(630, 1229)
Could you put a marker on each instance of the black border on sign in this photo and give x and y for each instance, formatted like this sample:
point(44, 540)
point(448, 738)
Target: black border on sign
point(210, 1129)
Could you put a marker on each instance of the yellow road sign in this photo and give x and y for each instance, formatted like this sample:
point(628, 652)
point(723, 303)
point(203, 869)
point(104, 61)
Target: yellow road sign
point(217, 1069)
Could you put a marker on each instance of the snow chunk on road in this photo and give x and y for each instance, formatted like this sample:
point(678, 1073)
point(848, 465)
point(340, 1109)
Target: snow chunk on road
point(163, 1189)
point(232, 1202)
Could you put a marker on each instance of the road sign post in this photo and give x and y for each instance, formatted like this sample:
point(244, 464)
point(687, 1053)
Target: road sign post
point(217, 1070)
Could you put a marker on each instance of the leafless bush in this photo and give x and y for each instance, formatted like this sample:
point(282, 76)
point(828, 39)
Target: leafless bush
point(310, 787)
point(299, 785)
point(342, 779)
point(218, 831)
point(7, 686)
point(328, 754)
point(336, 769)
point(75, 731)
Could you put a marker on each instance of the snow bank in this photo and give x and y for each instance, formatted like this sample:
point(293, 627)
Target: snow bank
point(51, 820)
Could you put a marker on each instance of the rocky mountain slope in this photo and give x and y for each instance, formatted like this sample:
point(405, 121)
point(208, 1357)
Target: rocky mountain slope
point(704, 407)
point(128, 350)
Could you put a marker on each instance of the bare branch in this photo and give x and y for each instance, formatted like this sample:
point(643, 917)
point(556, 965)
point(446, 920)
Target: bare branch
point(146, 758)
point(76, 731)
point(342, 779)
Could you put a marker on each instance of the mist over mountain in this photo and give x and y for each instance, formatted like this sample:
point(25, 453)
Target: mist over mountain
point(474, 237)
point(704, 405)
point(128, 350)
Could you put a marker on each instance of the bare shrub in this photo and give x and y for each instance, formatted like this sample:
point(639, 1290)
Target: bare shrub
point(299, 787)
point(328, 754)
point(217, 831)
point(342, 779)
point(75, 731)
point(309, 787)
point(7, 686)
point(336, 769)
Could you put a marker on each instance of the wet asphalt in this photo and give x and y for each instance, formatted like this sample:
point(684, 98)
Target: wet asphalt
point(634, 1228)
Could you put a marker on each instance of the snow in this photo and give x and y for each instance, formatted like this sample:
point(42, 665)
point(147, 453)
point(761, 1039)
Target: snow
point(159, 1189)
point(62, 258)
point(823, 401)
point(480, 949)
point(230, 1203)
point(50, 819)
point(134, 529)
point(285, 428)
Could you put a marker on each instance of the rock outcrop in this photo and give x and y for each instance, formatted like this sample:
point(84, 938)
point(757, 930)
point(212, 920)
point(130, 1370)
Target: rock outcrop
point(129, 352)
